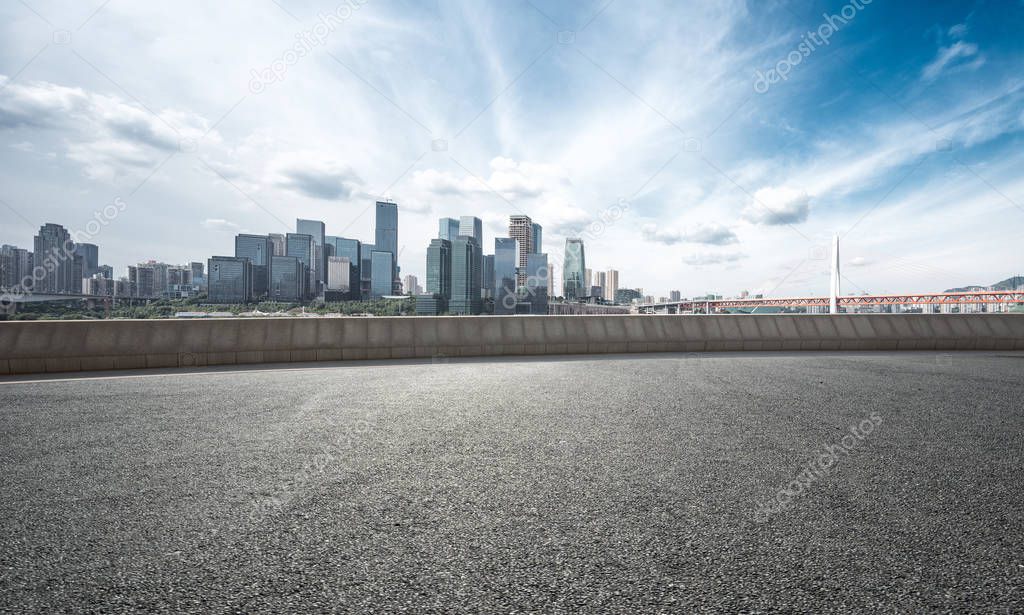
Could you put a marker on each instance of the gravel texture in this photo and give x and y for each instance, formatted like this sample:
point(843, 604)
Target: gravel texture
point(628, 484)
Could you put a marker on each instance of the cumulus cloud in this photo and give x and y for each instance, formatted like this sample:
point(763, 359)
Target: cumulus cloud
point(105, 134)
point(510, 179)
point(700, 259)
point(711, 234)
point(315, 175)
point(953, 56)
point(773, 206)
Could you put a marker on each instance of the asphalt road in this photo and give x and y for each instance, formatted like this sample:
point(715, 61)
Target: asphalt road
point(655, 483)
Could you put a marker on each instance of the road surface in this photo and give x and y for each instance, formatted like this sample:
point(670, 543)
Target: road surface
point(808, 482)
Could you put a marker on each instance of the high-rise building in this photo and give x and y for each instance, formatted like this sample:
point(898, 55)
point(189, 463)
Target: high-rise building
point(520, 228)
point(471, 226)
point(588, 279)
point(536, 245)
point(574, 270)
point(303, 247)
point(198, 274)
point(674, 295)
point(505, 275)
point(142, 281)
point(90, 255)
point(365, 269)
point(551, 279)
point(260, 251)
point(287, 279)
point(54, 252)
point(229, 280)
point(318, 259)
point(611, 284)
point(487, 277)
point(338, 284)
point(536, 287)
point(411, 285)
point(386, 238)
point(448, 228)
point(439, 269)
point(382, 273)
point(277, 240)
point(466, 275)
point(15, 268)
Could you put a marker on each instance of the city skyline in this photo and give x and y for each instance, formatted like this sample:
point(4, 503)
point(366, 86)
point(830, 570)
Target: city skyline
point(731, 187)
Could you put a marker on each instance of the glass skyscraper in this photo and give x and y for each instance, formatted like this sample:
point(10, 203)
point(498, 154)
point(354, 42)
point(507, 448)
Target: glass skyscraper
point(448, 228)
point(487, 285)
point(466, 270)
point(229, 279)
point(318, 261)
point(439, 268)
point(505, 282)
point(386, 229)
point(302, 247)
point(259, 250)
point(287, 275)
point(352, 249)
point(535, 240)
point(536, 289)
point(573, 270)
point(382, 273)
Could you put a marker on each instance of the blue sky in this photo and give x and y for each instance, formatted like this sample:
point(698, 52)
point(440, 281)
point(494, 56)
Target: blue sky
point(646, 128)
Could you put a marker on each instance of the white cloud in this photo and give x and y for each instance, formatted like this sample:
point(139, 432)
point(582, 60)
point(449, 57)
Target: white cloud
point(711, 234)
point(314, 175)
point(773, 206)
point(949, 56)
point(702, 259)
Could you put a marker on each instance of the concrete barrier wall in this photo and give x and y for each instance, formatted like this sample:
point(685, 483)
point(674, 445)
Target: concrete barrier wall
point(61, 346)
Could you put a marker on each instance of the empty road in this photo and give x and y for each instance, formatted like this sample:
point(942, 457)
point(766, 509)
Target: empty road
point(759, 482)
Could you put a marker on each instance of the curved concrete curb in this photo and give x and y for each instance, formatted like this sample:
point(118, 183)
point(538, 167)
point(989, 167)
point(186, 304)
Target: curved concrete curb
point(63, 346)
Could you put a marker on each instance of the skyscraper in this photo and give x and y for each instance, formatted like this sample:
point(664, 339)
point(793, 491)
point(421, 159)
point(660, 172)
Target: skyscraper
point(573, 270)
point(351, 249)
point(487, 277)
point(535, 241)
point(339, 270)
point(439, 269)
point(448, 228)
point(505, 278)
point(588, 278)
point(318, 259)
point(365, 269)
point(411, 285)
point(287, 279)
point(54, 252)
point(471, 226)
point(611, 284)
point(386, 237)
point(229, 279)
point(303, 247)
point(260, 251)
point(90, 254)
point(520, 228)
point(536, 288)
point(466, 275)
point(15, 268)
point(382, 273)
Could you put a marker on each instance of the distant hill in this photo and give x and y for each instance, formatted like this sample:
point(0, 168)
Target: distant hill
point(1010, 283)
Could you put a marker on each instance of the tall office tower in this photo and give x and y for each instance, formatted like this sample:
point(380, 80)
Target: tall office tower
point(439, 270)
point(54, 252)
point(674, 295)
point(287, 277)
point(588, 279)
point(386, 238)
point(277, 240)
point(466, 275)
point(598, 281)
point(230, 279)
point(352, 250)
point(487, 277)
point(573, 270)
point(303, 247)
point(505, 275)
point(520, 228)
point(471, 226)
point(535, 240)
point(260, 252)
point(318, 261)
point(611, 284)
point(90, 254)
point(537, 275)
point(365, 270)
point(382, 273)
point(551, 279)
point(448, 228)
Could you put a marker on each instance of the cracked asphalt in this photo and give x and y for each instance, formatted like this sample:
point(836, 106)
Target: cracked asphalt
point(622, 484)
